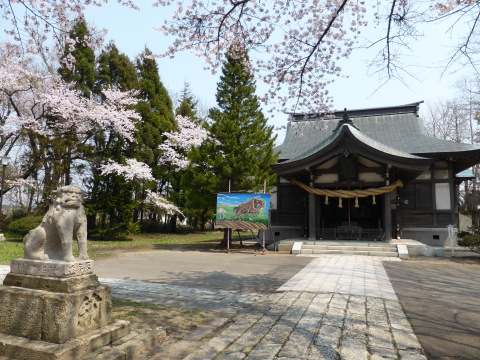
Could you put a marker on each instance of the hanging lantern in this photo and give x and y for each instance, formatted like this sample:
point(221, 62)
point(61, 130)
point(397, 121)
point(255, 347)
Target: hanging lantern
point(356, 202)
point(326, 199)
point(340, 205)
point(374, 202)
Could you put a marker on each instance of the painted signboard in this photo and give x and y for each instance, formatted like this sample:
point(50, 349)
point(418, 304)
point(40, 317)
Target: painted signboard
point(243, 207)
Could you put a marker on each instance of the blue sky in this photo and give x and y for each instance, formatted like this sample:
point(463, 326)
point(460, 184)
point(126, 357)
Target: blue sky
point(133, 30)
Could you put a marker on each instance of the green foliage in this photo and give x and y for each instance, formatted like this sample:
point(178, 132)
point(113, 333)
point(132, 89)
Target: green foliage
point(24, 225)
point(179, 180)
point(241, 149)
point(84, 73)
point(470, 206)
point(462, 234)
point(156, 110)
point(471, 241)
point(110, 212)
point(4, 222)
point(115, 68)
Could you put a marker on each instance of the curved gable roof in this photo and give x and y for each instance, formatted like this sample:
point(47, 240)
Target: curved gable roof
point(392, 130)
point(347, 138)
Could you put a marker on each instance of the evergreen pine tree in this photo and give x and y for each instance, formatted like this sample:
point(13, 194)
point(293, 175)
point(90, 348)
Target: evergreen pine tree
point(83, 74)
point(242, 146)
point(188, 104)
point(179, 180)
point(156, 109)
point(111, 212)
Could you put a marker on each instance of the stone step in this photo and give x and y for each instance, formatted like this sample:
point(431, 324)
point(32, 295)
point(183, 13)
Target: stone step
point(351, 248)
point(348, 243)
point(345, 248)
point(349, 252)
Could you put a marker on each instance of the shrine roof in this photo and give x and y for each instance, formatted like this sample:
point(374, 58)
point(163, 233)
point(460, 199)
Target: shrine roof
point(397, 130)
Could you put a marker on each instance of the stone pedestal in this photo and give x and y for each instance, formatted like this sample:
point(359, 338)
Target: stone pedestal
point(55, 302)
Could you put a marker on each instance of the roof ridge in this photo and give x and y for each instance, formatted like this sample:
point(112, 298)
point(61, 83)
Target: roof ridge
point(376, 111)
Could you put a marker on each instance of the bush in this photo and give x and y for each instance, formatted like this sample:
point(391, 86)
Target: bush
point(471, 241)
point(24, 225)
point(4, 222)
point(462, 234)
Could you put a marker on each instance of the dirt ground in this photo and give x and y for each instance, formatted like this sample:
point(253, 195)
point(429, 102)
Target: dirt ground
point(440, 298)
point(178, 326)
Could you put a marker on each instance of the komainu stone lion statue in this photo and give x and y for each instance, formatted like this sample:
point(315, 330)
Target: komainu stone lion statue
point(53, 238)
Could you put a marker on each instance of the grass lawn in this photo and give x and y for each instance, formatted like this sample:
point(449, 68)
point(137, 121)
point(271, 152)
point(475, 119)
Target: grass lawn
point(97, 249)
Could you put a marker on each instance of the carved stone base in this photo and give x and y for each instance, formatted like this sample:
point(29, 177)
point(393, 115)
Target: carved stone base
point(51, 268)
point(14, 347)
point(66, 285)
point(53, 316)
point(55, 310)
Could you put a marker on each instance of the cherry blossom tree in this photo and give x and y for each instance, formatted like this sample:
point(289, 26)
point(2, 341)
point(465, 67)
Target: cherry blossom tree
point(27, 96)
point(180, 142)
point(38, 108)
point(132, 170)
point(158, 204)
point(301, 42)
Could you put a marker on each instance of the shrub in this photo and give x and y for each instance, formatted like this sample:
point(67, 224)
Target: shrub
point(24, 225)
point(4, 221)
point(471, 241)
point(462, 234)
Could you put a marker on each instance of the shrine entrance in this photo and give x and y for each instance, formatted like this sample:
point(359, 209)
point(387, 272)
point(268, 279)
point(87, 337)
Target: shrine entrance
point(356, 219)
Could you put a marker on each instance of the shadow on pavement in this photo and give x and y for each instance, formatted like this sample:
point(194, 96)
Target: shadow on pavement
point(441, 300)
point(215, 271)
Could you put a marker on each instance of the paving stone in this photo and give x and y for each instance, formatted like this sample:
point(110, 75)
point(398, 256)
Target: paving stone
point(328, 336)
point(353, 349)
point(231, 356)
point(249, 339)
point(323, 353)
point(210, 349)
point(298, 344)
point(278, 333)
point(264, 352)
point(405, 339)
point(411, 355)
point(380, 337)
point(382, 353)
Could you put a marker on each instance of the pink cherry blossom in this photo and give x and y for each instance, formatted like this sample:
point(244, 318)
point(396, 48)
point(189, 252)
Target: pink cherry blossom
point(178, 143)
point(159, 204)
point(132, 170)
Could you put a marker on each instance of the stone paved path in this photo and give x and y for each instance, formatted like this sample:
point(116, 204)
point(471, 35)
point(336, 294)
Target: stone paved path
point(228, 302)
point(337, 307)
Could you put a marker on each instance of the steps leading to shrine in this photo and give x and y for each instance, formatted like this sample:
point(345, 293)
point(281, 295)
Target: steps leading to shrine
point(345, 248)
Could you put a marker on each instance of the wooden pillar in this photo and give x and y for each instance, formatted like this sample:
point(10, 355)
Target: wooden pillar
point(387, 211)
point(387, 216)
point(311, 217)
point(311, 212)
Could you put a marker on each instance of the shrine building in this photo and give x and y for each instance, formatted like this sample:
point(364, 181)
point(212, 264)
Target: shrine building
point(369, 174)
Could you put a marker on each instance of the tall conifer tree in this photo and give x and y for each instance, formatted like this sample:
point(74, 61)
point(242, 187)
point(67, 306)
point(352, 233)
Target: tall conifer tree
point(83, 74)
point(244, 140)
point(110, 213)
point(242, 146)
point(156, 109)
